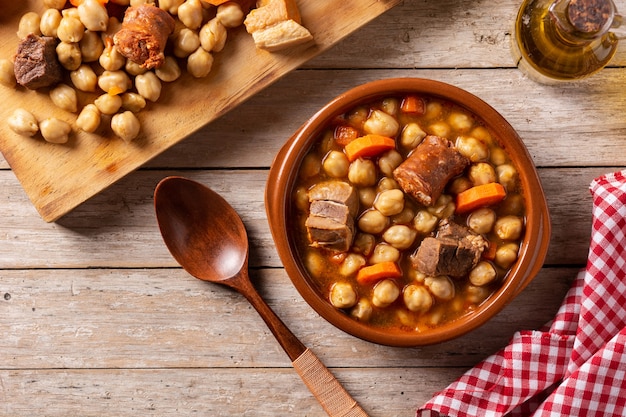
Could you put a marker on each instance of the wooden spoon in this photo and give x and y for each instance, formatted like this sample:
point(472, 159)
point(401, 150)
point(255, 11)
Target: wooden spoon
point(208, 239)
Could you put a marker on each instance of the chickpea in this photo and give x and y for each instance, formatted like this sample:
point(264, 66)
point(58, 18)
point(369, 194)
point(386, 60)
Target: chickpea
point(362, 310)
point(199, 63)
point(509, 227)
point(373, 221)
point(186, 42)
point(513, 204)
point(314, 263)
point(190, 13)
point(29, 23)
point(412, 135)
point(362, 172)
point(387, 183)
point(108, 104)
point(351, 264)
point(460, 184)
point(433, 110)
point(133, 102)
point(390, 202)
point(70, 30)
point(70, 12)
point(483, 274)
point(481, 220)
point(384, 252)
point(54, 4)
point(169, 71)
point(148, 86)
point(301, 199)
point(311, 166)
point(230, 14)
point(113, 27)
point(498, 157)
point(133, 68)
point(424, 222)
point(7, 75)
point(336, 164)
point(482, 134)
point(404, 217)
point(213, 36)
point(507, 175)
point(385, 293)
point(50, 20)
point(64, 97)
point(23, 122)
point(443, 208)
point(476, 295)
point(460, 121)
point(440, 128)
point(364, 244)
point(170, 6)
point(69, 55)
point(125, 125)
point(111, 59)
point(367, 196)
point(91, 47)
point(342, 295)
point(417, 298)
point(89, 118)
point(482, 173)
point(441, 287)
point(93, 15)
point(390, 106)
point(84, 78)
point(54, 130)
point(472, 148)
point(381, 123)
point(357, 116)
point(114, 82)
point(400, 236)
point(506, 254)
point(389, 161)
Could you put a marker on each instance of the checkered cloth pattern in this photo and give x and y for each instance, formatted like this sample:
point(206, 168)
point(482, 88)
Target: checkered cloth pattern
point(576, 364)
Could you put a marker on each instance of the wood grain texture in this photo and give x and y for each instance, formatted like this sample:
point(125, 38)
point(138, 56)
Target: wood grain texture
point(98, 319)
point(58, 178)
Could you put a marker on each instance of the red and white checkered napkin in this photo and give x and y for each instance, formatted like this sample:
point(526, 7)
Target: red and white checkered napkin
point(576, 364)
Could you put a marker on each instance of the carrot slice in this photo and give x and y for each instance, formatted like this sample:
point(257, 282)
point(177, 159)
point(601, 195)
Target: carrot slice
point(368, 145)
point(413, 105)
point(345, 134)
point(479, 196)
point(373, 273)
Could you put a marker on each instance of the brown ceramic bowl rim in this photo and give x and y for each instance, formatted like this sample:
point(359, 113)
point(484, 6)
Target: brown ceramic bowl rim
point(534, 246)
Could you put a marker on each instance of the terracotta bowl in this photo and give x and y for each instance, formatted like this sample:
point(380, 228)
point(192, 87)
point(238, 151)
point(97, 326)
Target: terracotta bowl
point(281, 181)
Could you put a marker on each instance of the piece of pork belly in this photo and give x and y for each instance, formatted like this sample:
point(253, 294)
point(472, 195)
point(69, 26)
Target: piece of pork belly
point(426, 171)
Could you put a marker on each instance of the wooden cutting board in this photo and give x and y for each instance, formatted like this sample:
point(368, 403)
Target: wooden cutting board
point(57, 178)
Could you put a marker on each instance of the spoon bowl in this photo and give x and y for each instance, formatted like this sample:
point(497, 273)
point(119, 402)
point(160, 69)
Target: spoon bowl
point(208, 239)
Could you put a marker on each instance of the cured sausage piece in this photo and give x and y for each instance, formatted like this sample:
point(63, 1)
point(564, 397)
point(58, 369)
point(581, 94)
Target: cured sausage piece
point(143, 35)
point(427, 170)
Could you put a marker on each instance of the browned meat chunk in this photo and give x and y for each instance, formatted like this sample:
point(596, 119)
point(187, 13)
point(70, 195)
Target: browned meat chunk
point(36, 63)
point(330, 224)
point(337, 191)
point(427, 170)
point(325, 232)
point(144, 33)
point(454, 252)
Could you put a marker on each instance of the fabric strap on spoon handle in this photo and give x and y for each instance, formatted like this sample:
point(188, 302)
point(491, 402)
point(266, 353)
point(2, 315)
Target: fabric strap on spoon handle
point(329, 392)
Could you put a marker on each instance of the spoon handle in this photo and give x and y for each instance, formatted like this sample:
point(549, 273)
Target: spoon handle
point(335, 400)
point(325, 387)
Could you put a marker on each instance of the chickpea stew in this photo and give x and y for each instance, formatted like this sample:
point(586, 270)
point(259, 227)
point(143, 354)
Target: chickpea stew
point(408, 212)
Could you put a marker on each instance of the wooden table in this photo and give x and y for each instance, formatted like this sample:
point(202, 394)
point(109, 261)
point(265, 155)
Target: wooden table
point(97, 319)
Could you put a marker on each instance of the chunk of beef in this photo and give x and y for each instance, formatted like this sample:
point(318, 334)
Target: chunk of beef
point(330, 223)
point(36, 63)
point(144, 34)
point(328, 233)
point(337, 191)
point(426, 171)
point(454, 252)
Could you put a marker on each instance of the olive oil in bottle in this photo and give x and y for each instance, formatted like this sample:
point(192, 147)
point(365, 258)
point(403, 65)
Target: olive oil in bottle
point(564, 40)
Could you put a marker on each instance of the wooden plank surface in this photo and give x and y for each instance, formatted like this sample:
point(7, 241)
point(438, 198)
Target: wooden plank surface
point(98, 320)
point(59, 177)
